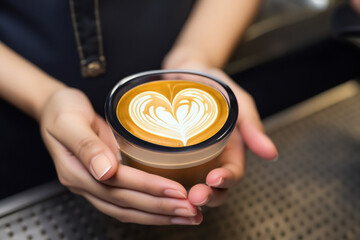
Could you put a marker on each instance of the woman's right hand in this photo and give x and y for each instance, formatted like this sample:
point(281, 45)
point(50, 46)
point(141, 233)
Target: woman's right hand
point(84, 152)
point(356, 5)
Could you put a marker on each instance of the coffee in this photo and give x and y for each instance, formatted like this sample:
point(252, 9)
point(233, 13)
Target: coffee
point(173, 113)
point(177, 127)
point(185, 174)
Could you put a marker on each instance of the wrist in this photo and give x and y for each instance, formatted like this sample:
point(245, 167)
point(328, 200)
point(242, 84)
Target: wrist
point(23, 84)
point(186, 58)
point(49, 87)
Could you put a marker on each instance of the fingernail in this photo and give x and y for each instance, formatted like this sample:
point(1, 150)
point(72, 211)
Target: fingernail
point(100, 166)
point(218, 183)
point(184, 212)
point(174, 193)
point(183, 221)
point(202, 203)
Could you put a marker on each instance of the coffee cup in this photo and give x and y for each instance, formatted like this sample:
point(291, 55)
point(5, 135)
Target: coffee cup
point(172, 123)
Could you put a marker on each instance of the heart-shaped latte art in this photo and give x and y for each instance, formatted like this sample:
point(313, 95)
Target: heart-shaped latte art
point(191, 112)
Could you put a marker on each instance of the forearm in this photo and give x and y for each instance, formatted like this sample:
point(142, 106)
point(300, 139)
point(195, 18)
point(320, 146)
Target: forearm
point(23, 84)
point(212, 31)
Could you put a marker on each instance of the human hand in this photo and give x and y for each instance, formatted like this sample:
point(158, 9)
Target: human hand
point(248, 132)
point(84, 152)
point(356, 5)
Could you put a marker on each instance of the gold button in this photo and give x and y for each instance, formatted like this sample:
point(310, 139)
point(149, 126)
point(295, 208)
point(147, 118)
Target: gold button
point(93, 69)
point(94, 66)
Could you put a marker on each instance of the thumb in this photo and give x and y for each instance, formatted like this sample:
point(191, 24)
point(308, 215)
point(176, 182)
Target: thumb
point(81, 138)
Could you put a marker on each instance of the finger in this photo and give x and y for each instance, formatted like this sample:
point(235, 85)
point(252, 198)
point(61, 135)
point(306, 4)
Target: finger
point(125, 177)
point(225, 176)
point(76, 134)
point(217, 198)
point(201, 195)
point(257, 141)
point(105, 133)
point(71, 172)
point(131, 178)
point(251, 127)
point(133, 188)
point(144, 202)
point(135, 216)
point(356, 5)
point(79, 181)
point(141, 200)
point(249, 120)
point(232, 163)
point(219, 179)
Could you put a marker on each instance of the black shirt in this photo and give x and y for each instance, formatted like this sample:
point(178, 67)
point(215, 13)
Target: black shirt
point(136, 34)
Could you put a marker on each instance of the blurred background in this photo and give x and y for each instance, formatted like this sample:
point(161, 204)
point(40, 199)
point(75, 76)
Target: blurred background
point(290, 53)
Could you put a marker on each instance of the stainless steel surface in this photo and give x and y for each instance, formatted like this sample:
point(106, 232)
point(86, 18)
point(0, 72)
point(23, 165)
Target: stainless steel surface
point(312, 192)
point(312, 105)
point(282, 26)
point(32, 196)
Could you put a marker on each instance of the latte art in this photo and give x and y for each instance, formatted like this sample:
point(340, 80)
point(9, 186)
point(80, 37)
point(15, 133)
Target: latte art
point(191, 112)
point(175, 128)
point(173, 113)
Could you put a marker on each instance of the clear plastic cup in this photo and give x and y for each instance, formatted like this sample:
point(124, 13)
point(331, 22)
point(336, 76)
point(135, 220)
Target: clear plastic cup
point(187, 165)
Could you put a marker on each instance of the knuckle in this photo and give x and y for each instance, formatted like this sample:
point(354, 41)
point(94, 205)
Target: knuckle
point(64, 174)
point(249, 97)
point(152, 183)
point(162, 206)
point(146, 184)
point(238, 173)
point(64, 181)
point(87, 146)
point(61, 119)
point(120, 198)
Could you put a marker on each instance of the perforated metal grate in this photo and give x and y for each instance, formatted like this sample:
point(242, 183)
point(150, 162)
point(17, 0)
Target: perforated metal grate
point(312, 192)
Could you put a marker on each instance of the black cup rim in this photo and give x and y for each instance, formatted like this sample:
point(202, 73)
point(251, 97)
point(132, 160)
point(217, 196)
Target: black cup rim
point(117, 127)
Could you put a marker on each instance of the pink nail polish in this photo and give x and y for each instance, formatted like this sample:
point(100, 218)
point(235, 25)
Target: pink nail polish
point(202, 203)
point(184, 212)
point(183, 221)
point(174, 194)
point(100, 166)
point(218, 183)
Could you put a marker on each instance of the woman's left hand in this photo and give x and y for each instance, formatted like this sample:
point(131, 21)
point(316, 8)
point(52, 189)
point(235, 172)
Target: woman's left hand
point(248, 132)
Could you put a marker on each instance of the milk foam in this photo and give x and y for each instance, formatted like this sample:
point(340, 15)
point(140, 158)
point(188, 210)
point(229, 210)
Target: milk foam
point(191, 112)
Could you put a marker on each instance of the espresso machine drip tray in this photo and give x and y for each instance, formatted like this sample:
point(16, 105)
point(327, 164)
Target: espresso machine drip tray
point(312, 192)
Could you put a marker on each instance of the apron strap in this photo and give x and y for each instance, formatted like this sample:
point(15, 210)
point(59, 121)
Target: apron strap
point(86, 23)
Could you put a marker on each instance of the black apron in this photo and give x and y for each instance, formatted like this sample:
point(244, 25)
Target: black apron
point(136, 35)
